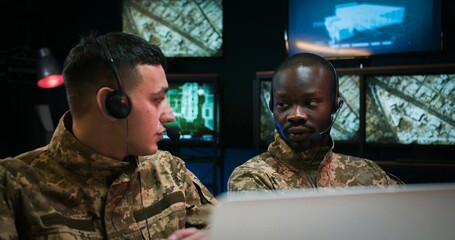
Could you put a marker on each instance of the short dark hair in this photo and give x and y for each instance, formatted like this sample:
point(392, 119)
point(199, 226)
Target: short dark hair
point(307, 59)
point(86, 68)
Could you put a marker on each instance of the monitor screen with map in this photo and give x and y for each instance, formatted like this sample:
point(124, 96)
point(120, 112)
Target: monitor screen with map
point(181, 28)
point(194, 101)
point(410, 109)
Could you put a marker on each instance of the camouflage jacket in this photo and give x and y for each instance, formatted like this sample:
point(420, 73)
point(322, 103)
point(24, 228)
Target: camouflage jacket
point(66, 191)
point(281, 168)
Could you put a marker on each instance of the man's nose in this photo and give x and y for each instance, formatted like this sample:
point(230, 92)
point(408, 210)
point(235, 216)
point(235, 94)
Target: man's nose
point(297, 114)
point(168, 114)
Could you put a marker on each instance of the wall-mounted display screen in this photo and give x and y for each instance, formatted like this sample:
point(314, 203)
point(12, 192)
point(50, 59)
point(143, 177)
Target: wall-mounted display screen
point(410, 109)
point(266, 123)
point(346, 126)
point(347, 29)
point(194, 101)
point(181, 28)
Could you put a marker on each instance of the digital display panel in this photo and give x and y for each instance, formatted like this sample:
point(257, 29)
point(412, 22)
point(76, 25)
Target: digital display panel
point(346, 126)
point(194, 105)
point(181, 28)
point(266, 123)
point(411, 109)
point(348, 29)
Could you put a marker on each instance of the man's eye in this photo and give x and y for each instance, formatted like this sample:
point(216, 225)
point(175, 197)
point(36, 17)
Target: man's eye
point(312, 103)
point(158, 100)
point(281, 104)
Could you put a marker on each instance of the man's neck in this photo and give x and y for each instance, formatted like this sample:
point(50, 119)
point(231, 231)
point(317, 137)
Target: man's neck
point(100, 136)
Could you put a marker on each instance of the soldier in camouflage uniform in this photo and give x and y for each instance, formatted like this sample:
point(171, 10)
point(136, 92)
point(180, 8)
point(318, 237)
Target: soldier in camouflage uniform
point(304, 99)
point(102, 176)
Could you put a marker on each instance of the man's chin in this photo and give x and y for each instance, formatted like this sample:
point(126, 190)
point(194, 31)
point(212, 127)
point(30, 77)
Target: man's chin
point(299, 146)
point(153, 150)
point(149, 151)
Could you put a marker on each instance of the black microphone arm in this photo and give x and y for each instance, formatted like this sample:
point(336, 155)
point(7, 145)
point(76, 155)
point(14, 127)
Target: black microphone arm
point(173, 133)
point(317, 136)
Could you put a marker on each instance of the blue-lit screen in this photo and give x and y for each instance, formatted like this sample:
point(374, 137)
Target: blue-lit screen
point(345, 29)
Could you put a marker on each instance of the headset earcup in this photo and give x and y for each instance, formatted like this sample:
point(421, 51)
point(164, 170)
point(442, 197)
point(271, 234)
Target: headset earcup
point(336, 95)
point(333, 102)
point(118, 105)
point(340, 103)
point(337, 104)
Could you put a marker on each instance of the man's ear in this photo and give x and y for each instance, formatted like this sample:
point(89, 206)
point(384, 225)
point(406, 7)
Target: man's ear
point(101, 96)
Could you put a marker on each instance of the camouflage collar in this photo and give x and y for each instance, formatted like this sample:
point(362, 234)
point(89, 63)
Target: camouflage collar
point(299, 160)
point(72, 154)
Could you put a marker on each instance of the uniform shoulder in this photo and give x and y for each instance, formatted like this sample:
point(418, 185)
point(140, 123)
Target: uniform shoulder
point(14, 166)
point(368, 172)
point(352, 159)
point(257, 162)
point(29, 156)
point(164, 159)
point(258, 173)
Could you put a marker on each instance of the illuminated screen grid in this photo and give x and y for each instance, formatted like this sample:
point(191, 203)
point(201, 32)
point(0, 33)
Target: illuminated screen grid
point(411, 109)
point(193, 104)
point(346, 126)
point(183, 28)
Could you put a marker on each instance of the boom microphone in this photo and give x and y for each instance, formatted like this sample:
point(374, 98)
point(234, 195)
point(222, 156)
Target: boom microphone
point(317, 136)
point(173, 133)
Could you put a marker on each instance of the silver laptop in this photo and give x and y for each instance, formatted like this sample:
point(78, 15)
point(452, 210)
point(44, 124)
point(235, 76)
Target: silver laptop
point(424, 212)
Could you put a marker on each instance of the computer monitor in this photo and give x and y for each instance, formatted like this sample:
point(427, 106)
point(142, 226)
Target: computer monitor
point(340, 29)
point(194, 101)
point(180, 28)
point(410, 109)
point(417, 212)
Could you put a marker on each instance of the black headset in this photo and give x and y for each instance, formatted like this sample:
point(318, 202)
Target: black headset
point(118, 104)
point(336, 100)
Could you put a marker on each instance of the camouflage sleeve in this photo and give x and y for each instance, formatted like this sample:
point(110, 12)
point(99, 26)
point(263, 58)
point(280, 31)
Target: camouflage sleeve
point(388, 178)
point(394, 180)
point(200, 202)
point(245, 178)
point(382, 177)
point(8, 191)
point(355, 171)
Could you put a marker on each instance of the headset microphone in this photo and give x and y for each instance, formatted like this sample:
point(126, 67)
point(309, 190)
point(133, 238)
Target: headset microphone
point(317, 136)
point(173, 133)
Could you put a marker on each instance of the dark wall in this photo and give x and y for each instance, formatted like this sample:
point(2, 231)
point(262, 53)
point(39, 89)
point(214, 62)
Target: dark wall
point(253, 41)
point(26, 26)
